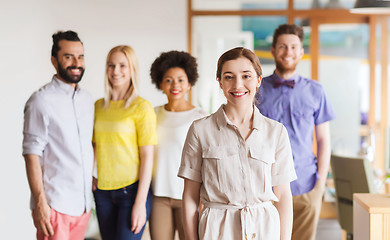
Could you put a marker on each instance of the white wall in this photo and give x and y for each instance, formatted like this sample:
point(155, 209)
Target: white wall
point(149, 26)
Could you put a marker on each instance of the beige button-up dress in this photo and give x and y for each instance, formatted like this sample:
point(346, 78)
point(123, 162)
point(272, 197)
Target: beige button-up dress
point(237, 176)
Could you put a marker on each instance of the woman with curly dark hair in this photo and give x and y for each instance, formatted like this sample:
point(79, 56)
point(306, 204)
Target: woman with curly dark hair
point(174, 73)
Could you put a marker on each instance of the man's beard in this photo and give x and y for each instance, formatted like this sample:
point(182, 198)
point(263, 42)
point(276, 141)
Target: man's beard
point(67, 77)
point(285, 69)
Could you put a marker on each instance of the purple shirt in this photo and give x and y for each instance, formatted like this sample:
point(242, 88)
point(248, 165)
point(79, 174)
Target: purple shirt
point(298, 109)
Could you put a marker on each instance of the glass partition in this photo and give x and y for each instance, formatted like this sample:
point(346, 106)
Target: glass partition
point(387, 163)
point(314, 4)
point(344, 73)
point(212, 36)
point(341, 62)
point(222, 5)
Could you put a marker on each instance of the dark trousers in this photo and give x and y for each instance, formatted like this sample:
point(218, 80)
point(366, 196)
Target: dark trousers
point(114, 208)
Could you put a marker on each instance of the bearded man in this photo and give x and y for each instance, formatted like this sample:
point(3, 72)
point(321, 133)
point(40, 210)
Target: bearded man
point(301, 105)
point(57, 145)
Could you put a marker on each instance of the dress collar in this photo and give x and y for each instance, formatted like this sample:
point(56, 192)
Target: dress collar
point(223, 120)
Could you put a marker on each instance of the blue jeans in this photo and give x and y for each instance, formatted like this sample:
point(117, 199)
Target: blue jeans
point(113, 209)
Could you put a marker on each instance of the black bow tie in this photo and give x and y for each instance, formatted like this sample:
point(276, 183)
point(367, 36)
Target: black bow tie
point(278, 83)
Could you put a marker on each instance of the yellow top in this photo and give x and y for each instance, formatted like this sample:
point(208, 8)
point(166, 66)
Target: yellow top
point(118, 133)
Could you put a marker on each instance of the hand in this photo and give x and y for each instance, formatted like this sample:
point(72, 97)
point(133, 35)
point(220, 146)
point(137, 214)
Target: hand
point(94, 184)
point(41, 217)
point(138, 217)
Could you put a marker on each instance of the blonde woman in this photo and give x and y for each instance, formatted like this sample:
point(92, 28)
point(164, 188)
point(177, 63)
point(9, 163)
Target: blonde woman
point(124, 138)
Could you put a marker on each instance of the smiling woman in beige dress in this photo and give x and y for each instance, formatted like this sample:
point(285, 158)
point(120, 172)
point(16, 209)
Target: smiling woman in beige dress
point(237, 163)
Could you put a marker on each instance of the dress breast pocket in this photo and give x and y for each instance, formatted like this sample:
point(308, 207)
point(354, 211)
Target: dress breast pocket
point(221, 168)
point(261, 160)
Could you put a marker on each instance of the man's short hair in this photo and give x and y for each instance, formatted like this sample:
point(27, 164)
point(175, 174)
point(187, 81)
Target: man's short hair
point(60, 35)
point(287, 29)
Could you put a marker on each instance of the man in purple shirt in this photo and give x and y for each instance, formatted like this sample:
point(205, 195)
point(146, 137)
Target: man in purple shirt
point(302, 106)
